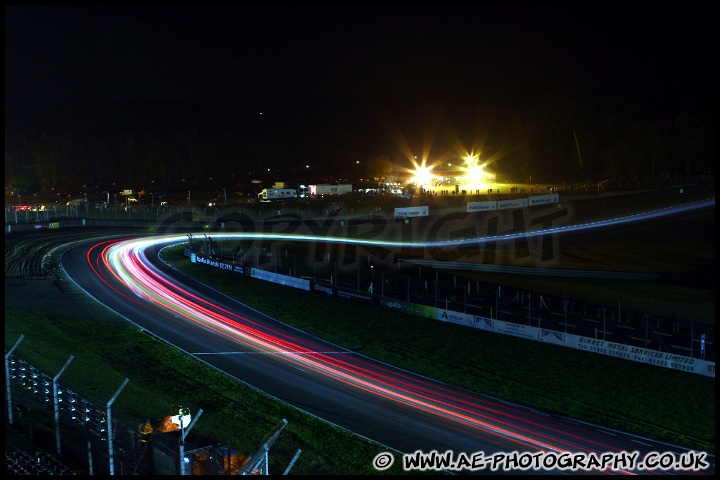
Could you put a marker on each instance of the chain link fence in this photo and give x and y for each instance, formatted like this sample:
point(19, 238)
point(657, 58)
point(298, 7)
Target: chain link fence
point(97, 438)
point(414, 282)
point(618, 323)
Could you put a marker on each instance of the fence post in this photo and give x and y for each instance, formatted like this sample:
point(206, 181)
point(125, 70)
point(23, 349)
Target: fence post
point(260, 457)
point(57, 405)
point(183, 433)
point(7, 378)
point(108, 416)
point(292, 462)
point(529, 296)
point(90, 463)
point(692, 337)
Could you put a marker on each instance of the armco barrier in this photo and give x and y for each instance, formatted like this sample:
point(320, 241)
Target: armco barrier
point(593, 345)
point(518, 328)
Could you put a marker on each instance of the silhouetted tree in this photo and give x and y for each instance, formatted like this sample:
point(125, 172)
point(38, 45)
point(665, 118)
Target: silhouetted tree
point(378, 166)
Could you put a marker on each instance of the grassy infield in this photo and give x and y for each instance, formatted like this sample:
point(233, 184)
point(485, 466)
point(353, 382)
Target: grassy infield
point(650, 401)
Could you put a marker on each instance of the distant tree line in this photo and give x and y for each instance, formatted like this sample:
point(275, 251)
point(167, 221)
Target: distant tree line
point(550, 141)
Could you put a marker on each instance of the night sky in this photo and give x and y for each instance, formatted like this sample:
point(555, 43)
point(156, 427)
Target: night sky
point(358, 77)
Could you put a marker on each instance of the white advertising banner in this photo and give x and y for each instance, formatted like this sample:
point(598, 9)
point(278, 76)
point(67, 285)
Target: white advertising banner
point(514, 203)
point(412, 212)
point(195, 258)
point(300, 283)
point(481, 206)
point(544, 199)
point(603, 347)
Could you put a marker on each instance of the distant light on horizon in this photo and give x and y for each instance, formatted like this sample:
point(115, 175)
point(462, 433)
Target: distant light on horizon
point(423, 175)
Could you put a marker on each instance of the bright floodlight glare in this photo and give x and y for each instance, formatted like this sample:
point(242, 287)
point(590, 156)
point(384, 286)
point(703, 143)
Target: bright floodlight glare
point(423, 175)
point(474, 172)
point(475, 175)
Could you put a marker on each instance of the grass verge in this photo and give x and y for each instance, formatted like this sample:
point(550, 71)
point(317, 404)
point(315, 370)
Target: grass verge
point(235, 414)
point(629, 396)
point(650, 401)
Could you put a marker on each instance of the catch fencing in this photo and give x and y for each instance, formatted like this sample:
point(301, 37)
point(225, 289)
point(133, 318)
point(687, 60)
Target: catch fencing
point(417, 282)
point(97, 438)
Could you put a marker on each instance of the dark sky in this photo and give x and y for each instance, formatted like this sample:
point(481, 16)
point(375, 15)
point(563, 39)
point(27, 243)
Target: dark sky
point(330, 68)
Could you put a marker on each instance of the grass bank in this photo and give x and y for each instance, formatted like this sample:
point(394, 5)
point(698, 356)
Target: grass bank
point(160, 376)
point(650, 401)
point(629, 396)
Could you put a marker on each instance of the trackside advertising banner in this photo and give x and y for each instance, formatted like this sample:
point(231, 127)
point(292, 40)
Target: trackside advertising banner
point(603, 347)
point(481, 206)
point(514, 203)
point(194, 258)
point(300, 283)
point(511, 203)
point(412, 212)
point(544, 199)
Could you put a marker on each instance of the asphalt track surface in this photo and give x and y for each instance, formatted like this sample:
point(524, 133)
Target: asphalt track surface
point(494, 426)
point(395, 408)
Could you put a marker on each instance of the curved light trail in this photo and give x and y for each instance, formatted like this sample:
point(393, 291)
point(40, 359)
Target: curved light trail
point(126, 263)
